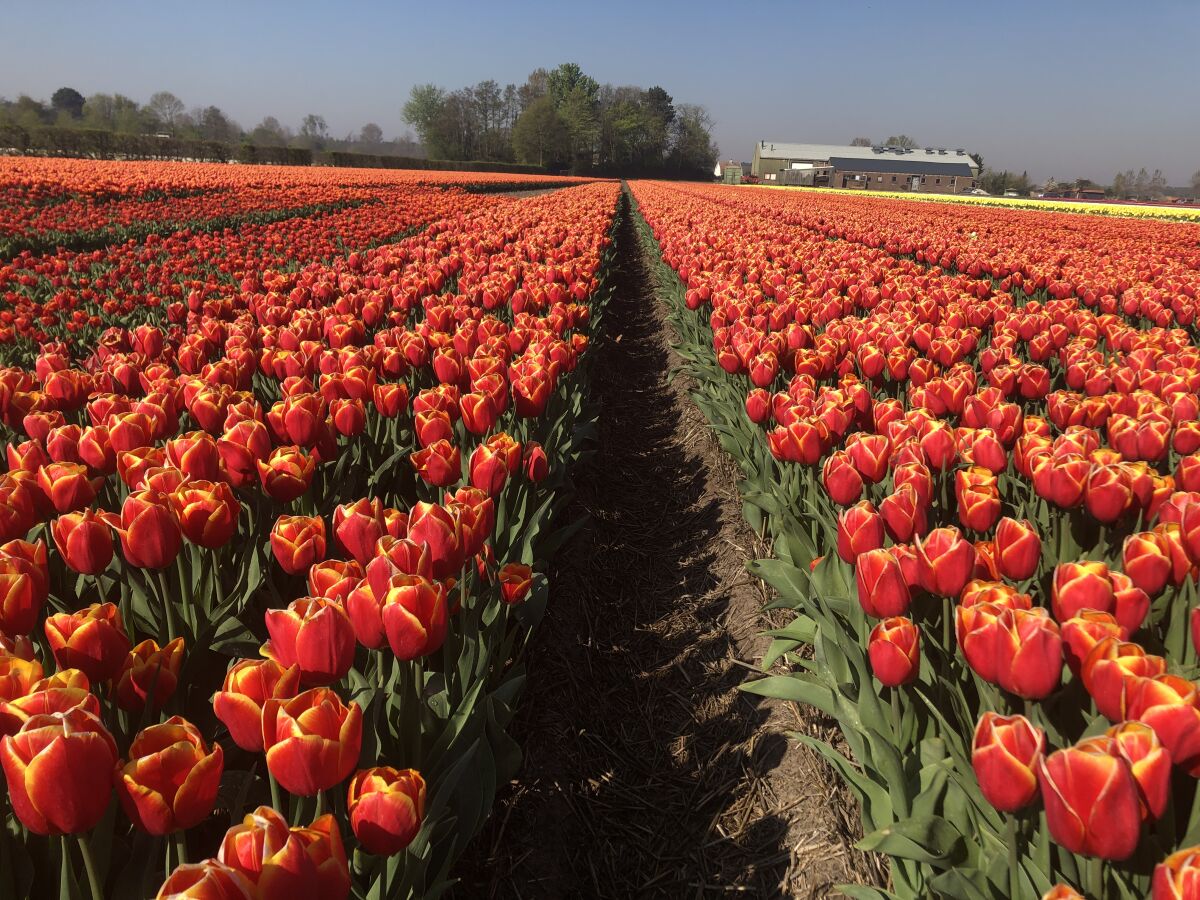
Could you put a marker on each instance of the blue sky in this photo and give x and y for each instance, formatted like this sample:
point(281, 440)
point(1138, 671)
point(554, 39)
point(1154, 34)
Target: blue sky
point(1063, 89)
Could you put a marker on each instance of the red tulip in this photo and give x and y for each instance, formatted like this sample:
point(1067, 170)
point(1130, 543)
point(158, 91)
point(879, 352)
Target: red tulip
point(314, 634)
point(946, 561)
point(516, 580)
point(148, 676)
point(882, 591)
point(312, 740)
point(386, 808)
point(1092, 802)
point(438, 464)
point(297, 542)
point(894, 649)
point(56, 767)
point(150, 534)
point(1178, 876)
point(171, 779)
point(85, 541)
point(859, 529)
point(92, 640)
point(294, 863)
point(1018, 549)
point(1006, 753)
point(248, 685)
point(207, 880)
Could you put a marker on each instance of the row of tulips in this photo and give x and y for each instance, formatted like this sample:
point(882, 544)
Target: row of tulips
point(270, 569)
point(41, 198)
point(984, 511)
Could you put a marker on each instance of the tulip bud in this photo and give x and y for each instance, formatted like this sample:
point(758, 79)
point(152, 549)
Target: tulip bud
point(859, 529)
point(248, 685)
point(946, 562)
point(1169, 705)
point(1018, 549)
point(1092, 802)
point(207, 511)
point(1063, 892)
point(1005, 754)
point(358, 526)
point(515, 580)
point(297, 542)
point(314, 634)
point(92, 640)
point(438, 464)
point(66, 485)
point(85, 541)
point(54, 757)
point(1078, 586)
point(894, 649)
point(150, 534)
point(415, 616)
point(440, 531)
point(386, 808)
point(1029, 653)
point(1085, 630)
point(535, 464)
point(1146, 559)
point(882, 591)
point(171, 779)
point(842, 481)
point(287, 473)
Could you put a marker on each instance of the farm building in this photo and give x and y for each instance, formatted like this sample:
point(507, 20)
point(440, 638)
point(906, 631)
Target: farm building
point(879, 168)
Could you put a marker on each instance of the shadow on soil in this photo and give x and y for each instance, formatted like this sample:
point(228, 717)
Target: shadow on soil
point(643, 770)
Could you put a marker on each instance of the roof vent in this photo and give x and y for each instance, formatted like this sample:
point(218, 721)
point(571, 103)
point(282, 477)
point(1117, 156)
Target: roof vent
point(961, 152)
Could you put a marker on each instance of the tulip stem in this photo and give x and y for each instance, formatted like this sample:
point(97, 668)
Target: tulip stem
point(275, 798)
point(320, 805)
point(89, 864)
point(1014, 874)
point(1096, 876)
point(179, 839)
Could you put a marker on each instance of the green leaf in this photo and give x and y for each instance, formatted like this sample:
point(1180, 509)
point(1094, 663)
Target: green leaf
point(927, 839)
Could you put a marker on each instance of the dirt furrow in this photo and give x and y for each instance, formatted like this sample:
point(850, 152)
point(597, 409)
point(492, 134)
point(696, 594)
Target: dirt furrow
point(647, 773)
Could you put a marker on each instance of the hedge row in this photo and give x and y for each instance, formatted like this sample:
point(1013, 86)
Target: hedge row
point(93, 143)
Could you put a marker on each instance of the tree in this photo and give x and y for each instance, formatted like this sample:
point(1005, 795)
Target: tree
point(1119, 186)
point(314, 132)
point(1141, 184)
point(978, 158)
point(68, 100)
point(579, 111)
point(212, 124)
point(860, 142)
point(371, 134)
point(540, 135)
point(1196, 181)
point(567, 79)
point(168, 109)
point(660, 104)
point(536, 86)
point(269, 133)
point(426, 103)
point(1158, 184)
point(693, 151)
point(902, 140)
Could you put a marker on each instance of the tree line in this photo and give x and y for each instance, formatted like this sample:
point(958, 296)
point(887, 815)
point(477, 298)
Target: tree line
point(563, 118)
point(165, 115)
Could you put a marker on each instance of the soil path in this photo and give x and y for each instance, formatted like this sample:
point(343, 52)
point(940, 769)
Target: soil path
point(646, 772)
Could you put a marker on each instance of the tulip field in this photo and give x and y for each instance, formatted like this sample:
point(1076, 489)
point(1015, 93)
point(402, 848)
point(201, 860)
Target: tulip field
point(286, 452)
point(972, 436)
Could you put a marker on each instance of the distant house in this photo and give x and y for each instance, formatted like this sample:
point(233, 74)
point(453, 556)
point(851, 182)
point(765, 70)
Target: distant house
point(731, 172)
point(879, 168)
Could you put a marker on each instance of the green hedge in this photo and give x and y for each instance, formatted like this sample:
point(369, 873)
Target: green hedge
point(374, 161)
point(93, 143)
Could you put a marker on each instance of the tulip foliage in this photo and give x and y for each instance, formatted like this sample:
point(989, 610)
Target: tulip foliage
point(272, 536)
point(973, 438)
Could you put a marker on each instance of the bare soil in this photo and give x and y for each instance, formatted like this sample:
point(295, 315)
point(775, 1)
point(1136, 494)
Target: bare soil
point(647, 773)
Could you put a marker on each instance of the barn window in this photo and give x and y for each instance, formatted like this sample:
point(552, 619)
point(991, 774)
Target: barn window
point(938, 181)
